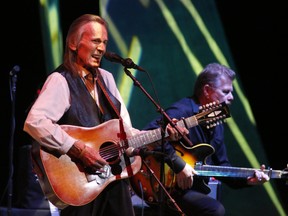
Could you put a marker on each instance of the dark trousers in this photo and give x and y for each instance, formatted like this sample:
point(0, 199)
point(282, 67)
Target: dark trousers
point(114, 200)
point(194, 203)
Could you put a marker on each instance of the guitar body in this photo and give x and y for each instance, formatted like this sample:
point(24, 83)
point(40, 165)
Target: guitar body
point(145, 182)
point(66, 183)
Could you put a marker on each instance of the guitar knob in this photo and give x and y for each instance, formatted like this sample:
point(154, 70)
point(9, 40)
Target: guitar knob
point(150, 199)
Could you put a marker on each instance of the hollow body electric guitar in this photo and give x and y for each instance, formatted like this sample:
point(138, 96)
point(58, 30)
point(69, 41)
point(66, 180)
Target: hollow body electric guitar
point(145, 185)
point(65, 182)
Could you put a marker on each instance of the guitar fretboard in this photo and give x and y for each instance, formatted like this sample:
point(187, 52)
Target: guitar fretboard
point(146, 138)
point(225, 171)
point(152, 136)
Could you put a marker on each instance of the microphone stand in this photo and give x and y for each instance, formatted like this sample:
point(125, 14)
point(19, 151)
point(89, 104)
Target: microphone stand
point(11, 144)
point(159, 109)
point(168, 120)
point(162, 189)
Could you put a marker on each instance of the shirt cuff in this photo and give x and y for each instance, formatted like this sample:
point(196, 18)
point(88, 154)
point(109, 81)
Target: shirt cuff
point(179, 164)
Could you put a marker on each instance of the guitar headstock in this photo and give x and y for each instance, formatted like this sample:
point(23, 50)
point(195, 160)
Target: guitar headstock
point(213, 114)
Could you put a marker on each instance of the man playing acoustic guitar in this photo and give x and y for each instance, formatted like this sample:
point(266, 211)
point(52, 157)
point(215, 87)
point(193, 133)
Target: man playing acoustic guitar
point(83, 129)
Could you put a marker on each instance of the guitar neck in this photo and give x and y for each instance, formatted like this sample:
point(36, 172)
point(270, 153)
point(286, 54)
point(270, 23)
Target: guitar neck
point(210, 115)
point(222, 171)
point(152, 136)
point(146, 138)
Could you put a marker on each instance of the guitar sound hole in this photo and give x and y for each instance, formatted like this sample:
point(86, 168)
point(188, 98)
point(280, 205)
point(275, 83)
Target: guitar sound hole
point(110, 152)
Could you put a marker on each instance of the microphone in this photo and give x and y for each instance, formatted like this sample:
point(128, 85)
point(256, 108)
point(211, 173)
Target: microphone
point(131, 152)
point(14, 70)
point(128, 63)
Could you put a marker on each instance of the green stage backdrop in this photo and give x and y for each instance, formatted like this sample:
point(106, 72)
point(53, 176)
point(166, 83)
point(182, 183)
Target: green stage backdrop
point(173, 40)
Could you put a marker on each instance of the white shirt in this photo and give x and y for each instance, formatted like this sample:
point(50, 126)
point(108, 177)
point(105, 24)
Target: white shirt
point(52, 102)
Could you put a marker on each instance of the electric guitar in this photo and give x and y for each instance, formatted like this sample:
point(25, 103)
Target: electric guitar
point(65, 182)
point(145, 185)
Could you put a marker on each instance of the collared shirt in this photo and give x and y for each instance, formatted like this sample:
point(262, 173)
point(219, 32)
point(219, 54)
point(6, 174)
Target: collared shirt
point(52, 102)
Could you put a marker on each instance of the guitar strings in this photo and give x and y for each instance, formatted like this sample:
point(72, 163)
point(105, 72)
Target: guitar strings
point(109, 152)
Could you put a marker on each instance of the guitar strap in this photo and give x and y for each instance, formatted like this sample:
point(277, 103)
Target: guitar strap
point(122, 133)
point(103, 89)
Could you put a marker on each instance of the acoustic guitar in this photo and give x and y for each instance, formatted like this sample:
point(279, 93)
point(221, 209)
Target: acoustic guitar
point(65, 182)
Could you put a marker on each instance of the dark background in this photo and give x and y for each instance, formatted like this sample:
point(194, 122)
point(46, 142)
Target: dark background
point(257, 36)
point(258, 40)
